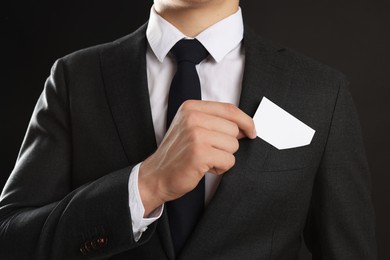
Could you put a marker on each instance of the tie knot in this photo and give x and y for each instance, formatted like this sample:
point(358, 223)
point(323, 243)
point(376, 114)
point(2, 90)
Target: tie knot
point(189, 50)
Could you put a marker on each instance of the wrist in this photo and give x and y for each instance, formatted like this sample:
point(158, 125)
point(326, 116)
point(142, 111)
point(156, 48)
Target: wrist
point(148, 189)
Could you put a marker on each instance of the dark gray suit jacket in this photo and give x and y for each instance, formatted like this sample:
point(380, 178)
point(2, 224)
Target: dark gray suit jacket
point(67, 197)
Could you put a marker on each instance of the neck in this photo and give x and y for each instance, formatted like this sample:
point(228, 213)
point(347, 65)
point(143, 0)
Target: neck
point(191, 19)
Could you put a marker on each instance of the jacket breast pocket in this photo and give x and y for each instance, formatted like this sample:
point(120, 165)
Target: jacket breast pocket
point(258, 155)
point(288, 159)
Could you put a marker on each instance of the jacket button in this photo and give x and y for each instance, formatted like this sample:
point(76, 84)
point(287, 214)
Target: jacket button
point(88, 246)
point(94, 244)
point(83, 250)
point(102, 241)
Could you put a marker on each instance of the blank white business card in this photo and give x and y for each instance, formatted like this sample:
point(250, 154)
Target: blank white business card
point(279, 128)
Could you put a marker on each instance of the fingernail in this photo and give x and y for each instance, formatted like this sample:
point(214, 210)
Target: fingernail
point(254, 133)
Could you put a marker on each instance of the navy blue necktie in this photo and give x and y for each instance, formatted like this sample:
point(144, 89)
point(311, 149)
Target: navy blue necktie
point(184, 213)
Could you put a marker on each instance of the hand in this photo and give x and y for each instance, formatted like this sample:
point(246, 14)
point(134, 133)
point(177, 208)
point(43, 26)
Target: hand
point(202, 138)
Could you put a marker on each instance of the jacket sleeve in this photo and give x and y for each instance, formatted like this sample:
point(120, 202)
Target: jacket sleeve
point(341, 221)
point(41, 214)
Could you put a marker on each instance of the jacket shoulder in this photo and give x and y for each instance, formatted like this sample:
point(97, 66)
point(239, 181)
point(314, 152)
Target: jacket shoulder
point(302, 65)
point(92, 53)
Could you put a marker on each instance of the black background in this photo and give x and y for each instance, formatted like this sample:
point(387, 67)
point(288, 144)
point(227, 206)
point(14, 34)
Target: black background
point(351, 35)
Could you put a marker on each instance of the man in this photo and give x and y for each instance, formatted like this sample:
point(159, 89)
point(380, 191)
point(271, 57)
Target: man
point(99, 176)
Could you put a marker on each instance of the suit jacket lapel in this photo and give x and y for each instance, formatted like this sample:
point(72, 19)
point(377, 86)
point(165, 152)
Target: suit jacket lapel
point(267, 73)
point(125, 80)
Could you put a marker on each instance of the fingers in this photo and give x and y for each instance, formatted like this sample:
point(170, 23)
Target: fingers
point(218, 140)
point(220, 161)
point(223, 110)
point(210, 122)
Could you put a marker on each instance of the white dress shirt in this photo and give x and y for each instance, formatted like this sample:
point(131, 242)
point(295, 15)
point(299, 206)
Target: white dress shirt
point(220, 77)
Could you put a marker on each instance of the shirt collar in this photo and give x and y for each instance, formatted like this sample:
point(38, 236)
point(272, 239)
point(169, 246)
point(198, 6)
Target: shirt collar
point(219, 39)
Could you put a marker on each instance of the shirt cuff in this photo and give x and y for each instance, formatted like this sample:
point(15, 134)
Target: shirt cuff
point(137, 210)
